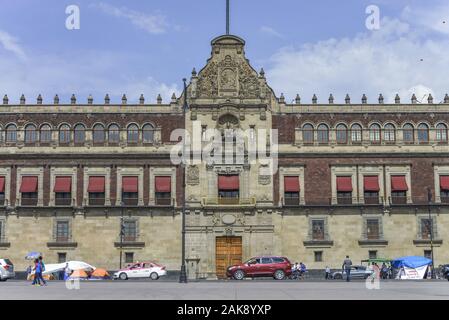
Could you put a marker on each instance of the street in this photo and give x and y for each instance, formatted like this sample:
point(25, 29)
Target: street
point(226, 290)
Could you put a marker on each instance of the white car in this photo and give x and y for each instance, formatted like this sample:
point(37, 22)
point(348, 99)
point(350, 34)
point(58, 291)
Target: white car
point(146, 269)
point(6, 270)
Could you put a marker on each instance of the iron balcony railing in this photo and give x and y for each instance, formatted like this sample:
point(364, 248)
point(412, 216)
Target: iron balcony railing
point(168, 202)
point(27, 202)
point(291, 202)
point(63, 202)
point(96, 201)
point(398, 200)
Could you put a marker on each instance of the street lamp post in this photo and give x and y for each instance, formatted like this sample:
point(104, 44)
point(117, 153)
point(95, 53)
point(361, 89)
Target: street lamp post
point(183, 274)
point(429, 198)
point(122, 233)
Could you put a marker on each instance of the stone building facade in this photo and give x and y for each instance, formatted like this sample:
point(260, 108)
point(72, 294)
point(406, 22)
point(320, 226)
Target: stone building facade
point(350, 178)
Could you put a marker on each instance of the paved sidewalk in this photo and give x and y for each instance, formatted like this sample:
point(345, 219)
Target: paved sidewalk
point(230, 290)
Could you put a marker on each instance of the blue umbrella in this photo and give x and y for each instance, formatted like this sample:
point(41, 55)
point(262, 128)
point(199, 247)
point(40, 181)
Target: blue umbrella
point(33, 255)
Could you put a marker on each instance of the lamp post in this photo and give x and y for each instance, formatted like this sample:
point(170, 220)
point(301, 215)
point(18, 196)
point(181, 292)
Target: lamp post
point(429, 198)
point(122, 233)
point(183, 274)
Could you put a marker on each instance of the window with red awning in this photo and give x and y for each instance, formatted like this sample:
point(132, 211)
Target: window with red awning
point(291, 184)
point(398, 184)
point(163, 184)
point(444, 183)
point(29, 185)
point(228, 182)
point(96, 185)
point(130, 184)
point(63, 185)
point(344, 184)
point(2, 184)
point(371, 183)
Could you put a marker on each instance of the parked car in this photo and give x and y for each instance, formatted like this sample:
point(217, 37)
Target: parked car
point(145, 269)
point(6, 270)
point(276, 267)
point(357, 272)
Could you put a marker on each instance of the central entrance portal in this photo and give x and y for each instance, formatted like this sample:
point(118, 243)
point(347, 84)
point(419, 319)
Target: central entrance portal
point(228, 251)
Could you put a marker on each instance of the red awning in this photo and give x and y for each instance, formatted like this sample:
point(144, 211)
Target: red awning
point(291, 184)
point(96, 184)
point(2, 184)
point(63, 184)
point(398, 183)
point(444, 183)
point(228, 183)
point(344, 184)
point(371, 183)
point(29, 184)
point(130, 184)
point(163, 184)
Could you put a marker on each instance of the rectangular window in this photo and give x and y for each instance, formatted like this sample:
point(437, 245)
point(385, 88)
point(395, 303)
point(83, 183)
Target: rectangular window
point(428, 254)
point(399, 190)
point(318, 256)
point(344, 190)
point(2, 191)
point(318, 230)
point(62, 231)
point(163, 191)
point(228, 189)
point(426, 228)
point(372, 229)
point(63, 191)
point(130, 190)
point(291, 191)
point(62, 257)
point(28, 189)
point(372, 254)
point(371, 189)
point(444, 189)
point(96, 190)
point(129, 257)
point(130, 231)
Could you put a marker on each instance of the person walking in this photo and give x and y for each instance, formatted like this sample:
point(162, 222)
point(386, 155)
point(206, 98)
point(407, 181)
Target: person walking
point(302, 270)
point(328, 273)
point(29, 270)
point(37, 268)
point(67, 271)
point(346, 267)
point(41, 270)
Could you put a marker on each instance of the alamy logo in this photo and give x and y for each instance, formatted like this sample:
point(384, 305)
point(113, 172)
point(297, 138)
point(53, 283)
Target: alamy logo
point(72, 284)
point(73, 20)
point(372, 22)
point(373, 281)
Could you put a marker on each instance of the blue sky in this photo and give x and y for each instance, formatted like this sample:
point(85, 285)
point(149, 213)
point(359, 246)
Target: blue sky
point(306, 47)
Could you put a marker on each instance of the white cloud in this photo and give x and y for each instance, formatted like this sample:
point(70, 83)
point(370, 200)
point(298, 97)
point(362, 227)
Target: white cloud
point(270, 31)
point(398, 58)
point(11, 44)
point(82, 74)
point(436, 19)
point(151, 23)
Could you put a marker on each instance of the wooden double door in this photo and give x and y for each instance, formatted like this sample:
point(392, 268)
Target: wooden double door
point(228, 251)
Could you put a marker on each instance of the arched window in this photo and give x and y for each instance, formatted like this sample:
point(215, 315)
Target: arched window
point(356, 133)
point(98, 135)
point(45, 134)
point(307, 133)
point(79, 134)
point(389, 133)
point(1, 135)
point(408, 133)
point(64, 134)
point(11, 133)
point(323, 133)
point(423, 133)
point(342, 134)
point(374, 133)
point(441, 132)
point(148, 133)
point(133, 133)
point(114, 134)
point(30, 134)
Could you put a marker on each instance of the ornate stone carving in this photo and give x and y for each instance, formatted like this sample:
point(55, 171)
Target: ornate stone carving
point(208, 81)
point(193, 175)
point(264, 177)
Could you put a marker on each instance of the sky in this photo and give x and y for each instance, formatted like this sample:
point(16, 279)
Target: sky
point(148, 46)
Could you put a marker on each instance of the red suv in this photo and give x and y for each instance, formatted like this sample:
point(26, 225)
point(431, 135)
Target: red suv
point(276, 267)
